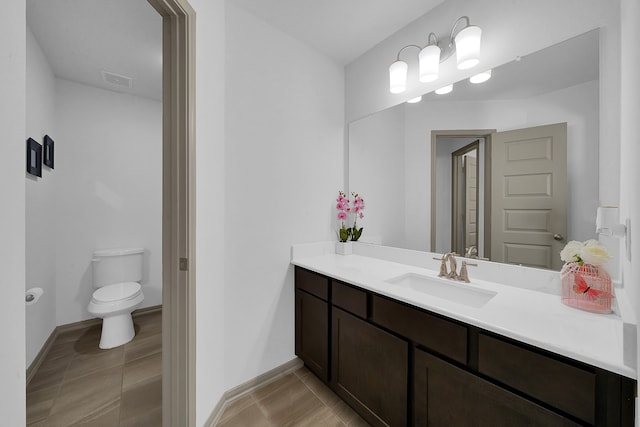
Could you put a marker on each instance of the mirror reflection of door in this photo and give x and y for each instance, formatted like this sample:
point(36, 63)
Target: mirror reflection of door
point(521, 200)
point(465, 189)
point(529, 195)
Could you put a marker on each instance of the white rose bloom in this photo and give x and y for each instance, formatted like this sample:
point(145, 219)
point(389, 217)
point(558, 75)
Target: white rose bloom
point(594, 253)
point(571, 251)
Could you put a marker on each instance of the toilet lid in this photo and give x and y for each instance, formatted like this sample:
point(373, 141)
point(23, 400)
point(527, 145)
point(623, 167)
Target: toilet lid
point(117, 292)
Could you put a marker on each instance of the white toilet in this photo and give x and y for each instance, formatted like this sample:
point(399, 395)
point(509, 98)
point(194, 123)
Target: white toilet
point(116, 273)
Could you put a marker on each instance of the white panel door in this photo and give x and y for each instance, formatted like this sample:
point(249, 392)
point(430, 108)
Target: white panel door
point(528, 201)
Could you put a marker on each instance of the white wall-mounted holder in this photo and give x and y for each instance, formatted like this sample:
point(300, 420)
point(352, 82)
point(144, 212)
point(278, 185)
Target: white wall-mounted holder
point(608, 224)
point(33, 295)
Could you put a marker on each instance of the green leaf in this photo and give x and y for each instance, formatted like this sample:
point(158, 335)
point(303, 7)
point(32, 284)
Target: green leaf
point(356, 233)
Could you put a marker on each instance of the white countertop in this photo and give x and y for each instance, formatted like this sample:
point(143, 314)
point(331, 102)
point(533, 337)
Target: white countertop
point(530, 316)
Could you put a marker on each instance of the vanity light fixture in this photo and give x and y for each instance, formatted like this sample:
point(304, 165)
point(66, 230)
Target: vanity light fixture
point(414, 100)
point(444, 90)
point(465, 43)
point(480, 77)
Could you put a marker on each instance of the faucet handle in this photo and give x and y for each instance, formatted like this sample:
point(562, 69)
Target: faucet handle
point(464, 275)
point(471, 252)
point(443, 266)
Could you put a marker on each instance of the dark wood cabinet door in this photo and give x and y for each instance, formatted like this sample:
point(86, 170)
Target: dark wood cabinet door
point(369, 369)
point(312, 333)
point(445, 395)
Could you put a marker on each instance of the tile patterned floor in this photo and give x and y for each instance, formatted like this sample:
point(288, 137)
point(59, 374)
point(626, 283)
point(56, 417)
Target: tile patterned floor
point(296, 399)
point(80, 385)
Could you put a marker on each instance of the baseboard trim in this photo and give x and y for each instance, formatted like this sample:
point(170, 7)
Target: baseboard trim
point(37, 361)
point(231, 395)
point(83, 324)
point(146, 310)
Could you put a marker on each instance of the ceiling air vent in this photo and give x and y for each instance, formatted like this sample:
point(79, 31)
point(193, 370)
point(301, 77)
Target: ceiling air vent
point(117, 79)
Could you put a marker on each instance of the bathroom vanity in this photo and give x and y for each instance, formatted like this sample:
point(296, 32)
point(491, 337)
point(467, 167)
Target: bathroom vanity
point(400, 357)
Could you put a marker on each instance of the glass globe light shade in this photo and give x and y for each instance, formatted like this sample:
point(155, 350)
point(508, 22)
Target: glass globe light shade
point(468, 47)
point(398, 77)
point(480, 77)
point(429, 58)
point(444, 90)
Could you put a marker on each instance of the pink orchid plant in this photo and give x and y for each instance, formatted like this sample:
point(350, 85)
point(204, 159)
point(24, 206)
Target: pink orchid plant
point(343, 215)
point(345, 208)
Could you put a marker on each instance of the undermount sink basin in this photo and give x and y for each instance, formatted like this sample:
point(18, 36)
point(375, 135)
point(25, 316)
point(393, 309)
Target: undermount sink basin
point(444, 288)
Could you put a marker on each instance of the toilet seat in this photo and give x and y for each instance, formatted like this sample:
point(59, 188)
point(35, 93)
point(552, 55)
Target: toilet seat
point(118, 292)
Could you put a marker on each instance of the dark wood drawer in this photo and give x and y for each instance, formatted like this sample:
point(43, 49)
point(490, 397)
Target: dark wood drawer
point(563, 386)
point(446, 395)
point(351, 299)
point(313, 283)
point(446, 338)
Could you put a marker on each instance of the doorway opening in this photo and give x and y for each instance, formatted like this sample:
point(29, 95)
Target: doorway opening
point(465, 202)
point(449, 218)
point(178, 210)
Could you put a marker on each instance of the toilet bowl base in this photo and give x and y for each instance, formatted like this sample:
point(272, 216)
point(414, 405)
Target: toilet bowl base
point(116, 330)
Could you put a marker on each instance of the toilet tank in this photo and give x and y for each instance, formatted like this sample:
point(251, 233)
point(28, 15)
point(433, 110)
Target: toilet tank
point(116, 266)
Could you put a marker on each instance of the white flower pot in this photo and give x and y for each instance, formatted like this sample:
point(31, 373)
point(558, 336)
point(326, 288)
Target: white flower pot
point(344, 248)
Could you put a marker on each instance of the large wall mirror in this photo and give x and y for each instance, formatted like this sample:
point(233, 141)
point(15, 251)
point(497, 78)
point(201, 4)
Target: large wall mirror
point(433, 176)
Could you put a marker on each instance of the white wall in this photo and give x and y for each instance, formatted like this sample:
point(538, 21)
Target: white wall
point(377, 159)
point(284, 167)
point(40, 203)
point(12, 214)
point(630, 149)
point(108, 169)
point(210, 221)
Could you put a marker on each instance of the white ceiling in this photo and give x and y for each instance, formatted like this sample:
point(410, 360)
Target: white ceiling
point(341, 29)
point(80, 38)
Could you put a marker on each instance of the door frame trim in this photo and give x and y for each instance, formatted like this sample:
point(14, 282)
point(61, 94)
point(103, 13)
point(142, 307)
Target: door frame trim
point(178, 212)
point(479, 133)
point(455, 174)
